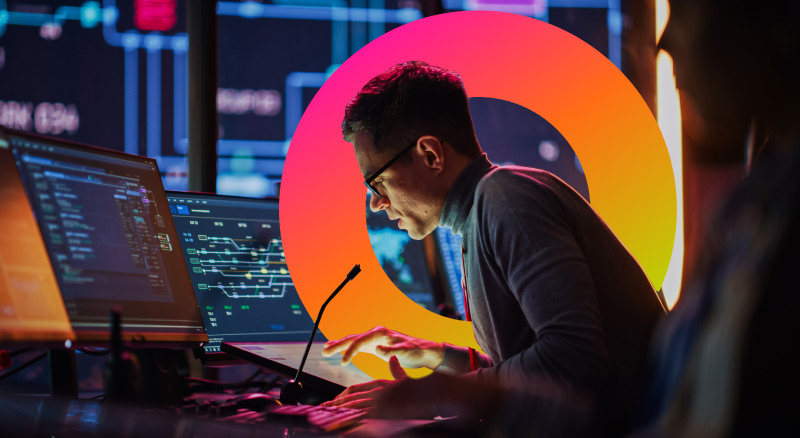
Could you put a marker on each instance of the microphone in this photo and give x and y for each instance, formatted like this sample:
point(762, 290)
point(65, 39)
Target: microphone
point(292, 390)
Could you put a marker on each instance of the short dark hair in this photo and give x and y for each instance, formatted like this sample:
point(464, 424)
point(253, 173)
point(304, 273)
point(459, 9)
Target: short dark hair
point(408, 101)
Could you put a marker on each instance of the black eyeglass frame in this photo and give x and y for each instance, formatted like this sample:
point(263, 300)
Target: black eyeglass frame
point(368, 181)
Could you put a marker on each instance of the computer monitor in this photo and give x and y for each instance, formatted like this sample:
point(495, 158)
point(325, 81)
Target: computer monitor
point(104, 220)
point(449, 246)
point(403, 259)
point(31, 309)
point(234, 252)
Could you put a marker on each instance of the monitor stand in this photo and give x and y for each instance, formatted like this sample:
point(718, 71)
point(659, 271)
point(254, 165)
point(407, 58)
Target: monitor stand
point(63, 373)
point(162, 372)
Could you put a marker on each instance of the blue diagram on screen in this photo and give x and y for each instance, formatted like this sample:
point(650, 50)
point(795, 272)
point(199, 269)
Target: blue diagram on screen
point(234, 253)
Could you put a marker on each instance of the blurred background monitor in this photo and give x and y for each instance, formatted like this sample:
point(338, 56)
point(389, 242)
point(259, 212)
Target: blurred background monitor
point(31, 310)
point(105, 222)
point(404, 260)
point(113, 73)
point(233, 249)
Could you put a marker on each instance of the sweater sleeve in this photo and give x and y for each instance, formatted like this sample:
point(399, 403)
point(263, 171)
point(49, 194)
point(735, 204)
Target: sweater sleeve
point(529, 235)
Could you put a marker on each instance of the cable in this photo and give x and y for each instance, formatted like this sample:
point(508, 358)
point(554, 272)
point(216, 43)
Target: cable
point(271, 381)
point(221, 387)
point(20, 351)
point(214, 382)
point(23, 366)
point(202, 385)
point(93, 352)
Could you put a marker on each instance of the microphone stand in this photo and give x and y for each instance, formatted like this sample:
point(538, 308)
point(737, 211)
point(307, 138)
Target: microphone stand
point(292, 390)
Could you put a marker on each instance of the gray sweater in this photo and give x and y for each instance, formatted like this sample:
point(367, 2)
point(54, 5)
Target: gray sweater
point(552, 291)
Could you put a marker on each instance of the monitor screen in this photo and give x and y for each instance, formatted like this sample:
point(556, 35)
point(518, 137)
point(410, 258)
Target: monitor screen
point(31, 309)
point(449, 245)
point(233, 249)
point(402, 259)
point(104, 219)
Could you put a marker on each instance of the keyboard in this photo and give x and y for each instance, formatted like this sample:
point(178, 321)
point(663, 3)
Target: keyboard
point(326, 418)
point(244, 410)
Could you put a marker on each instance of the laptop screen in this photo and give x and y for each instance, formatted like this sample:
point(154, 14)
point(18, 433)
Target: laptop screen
point(104, 220)
point(233, 249)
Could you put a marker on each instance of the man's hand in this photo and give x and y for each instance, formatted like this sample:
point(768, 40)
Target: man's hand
point(440, 395)
point(364, 395)
point(411, 352)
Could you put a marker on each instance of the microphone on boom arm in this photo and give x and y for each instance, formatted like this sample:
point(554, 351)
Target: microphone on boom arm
point(292, 390)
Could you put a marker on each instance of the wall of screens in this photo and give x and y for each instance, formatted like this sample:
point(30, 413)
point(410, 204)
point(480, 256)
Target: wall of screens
point(113, 73)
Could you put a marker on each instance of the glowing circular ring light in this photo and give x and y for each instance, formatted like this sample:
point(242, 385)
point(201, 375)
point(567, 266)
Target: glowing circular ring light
point(502, 56)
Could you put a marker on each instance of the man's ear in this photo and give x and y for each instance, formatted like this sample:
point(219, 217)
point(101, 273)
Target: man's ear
point(432, 150)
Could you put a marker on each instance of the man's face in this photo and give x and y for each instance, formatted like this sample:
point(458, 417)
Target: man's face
point(404, 187)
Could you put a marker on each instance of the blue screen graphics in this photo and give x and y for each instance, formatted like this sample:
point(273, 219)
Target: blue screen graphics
point(114, 73)
point(402, 259)
point(234, 252)
point(105, 223)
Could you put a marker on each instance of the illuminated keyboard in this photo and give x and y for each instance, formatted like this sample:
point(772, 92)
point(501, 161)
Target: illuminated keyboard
point(325, 418)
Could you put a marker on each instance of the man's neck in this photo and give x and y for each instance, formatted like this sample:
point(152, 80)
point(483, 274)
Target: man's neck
point(457, 163)
point(458, 201)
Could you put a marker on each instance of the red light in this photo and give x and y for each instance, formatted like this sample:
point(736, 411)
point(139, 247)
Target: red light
point(154, 14)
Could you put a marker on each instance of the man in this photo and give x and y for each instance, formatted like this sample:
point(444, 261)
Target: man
point(551, 291)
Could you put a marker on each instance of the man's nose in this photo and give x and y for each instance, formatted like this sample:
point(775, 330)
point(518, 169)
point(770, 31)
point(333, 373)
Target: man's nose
point(376, 203)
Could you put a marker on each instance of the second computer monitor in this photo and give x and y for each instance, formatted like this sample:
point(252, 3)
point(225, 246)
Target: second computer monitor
point(234, 252)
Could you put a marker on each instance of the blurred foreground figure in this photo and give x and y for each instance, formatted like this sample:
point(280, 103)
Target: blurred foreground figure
point(722, 363)
point(535, 407)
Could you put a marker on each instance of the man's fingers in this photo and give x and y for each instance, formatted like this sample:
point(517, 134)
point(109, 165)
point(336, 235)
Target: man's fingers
point(366, 403)
point(361, 343)
point(408, 354)
point(387, 351)
point(397, 371)
point(332, 347)
point(349, 399)
point(361, 387)
point(361, 399)
point(368, 342)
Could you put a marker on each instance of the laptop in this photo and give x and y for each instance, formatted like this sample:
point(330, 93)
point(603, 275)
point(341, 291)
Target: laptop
point(251, 309)
point(325, 374)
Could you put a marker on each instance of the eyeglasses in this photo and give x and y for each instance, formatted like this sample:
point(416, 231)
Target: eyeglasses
point(368, 181)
